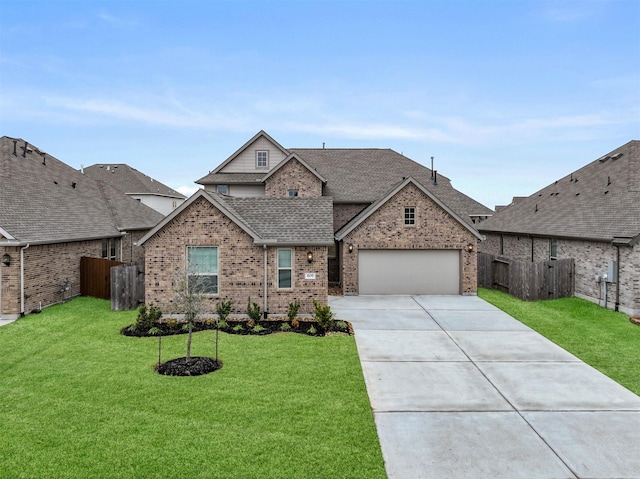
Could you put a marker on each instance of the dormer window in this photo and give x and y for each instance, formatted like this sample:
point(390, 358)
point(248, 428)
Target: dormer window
point(293, 193)
point(410, 216)
point(262, 159)
point(223, 189)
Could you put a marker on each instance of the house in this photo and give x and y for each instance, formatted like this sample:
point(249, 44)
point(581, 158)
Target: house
point(50, 216)
point(591, 215)
point(136, 184)
point(282, 224)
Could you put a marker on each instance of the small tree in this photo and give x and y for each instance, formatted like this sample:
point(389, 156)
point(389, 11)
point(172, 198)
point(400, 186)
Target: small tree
point(294, 307)
point(189, 296)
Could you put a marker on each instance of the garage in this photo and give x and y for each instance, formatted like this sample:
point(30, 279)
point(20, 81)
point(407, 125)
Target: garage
point(409, 271)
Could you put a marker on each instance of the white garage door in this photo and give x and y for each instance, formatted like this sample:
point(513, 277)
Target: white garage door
point(409, 271)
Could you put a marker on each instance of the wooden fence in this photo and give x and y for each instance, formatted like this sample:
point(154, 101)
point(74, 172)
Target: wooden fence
point(525, 280)
point(95, 277)
point(127, 286)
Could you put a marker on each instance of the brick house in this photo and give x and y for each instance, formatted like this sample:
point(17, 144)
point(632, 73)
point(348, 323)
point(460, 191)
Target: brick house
point(591, 215)
point(50, 216)
point(137, 185)
point(281, 224)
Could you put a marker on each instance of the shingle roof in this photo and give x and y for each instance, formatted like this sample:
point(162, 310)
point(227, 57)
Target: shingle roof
point(364, 175)
point(286, 221)
point(129, 180)
point(599, 201)
point(45, 200)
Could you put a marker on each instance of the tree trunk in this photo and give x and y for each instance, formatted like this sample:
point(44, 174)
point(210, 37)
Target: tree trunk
point(189, 341)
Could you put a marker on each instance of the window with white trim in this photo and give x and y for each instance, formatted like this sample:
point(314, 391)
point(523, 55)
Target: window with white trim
point(553, 248)
point(109, 248)
point(202, 269)
point(285, 268)
point(262, 159)
point(410, 216)
point(293, 193)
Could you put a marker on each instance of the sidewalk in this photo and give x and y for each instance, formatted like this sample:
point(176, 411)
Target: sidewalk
point(460, 389)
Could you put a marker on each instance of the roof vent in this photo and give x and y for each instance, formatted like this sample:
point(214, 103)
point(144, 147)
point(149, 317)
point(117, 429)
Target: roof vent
point(73, 185)
point(15, 153)
point(616, 156)
point(608, 180)
point(24, 149)
point(536, 208)
point(603, 158)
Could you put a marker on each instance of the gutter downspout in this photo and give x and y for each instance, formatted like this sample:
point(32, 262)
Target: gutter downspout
point(22, 279)
point(617, 306)
point(264, 306)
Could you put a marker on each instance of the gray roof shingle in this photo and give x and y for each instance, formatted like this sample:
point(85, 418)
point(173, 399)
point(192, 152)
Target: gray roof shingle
point(44, 200)
point(598, 201)
point(129, 180)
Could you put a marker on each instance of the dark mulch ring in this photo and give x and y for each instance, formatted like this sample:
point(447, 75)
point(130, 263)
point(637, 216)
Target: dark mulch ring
point(196, 366)
point(169, 326)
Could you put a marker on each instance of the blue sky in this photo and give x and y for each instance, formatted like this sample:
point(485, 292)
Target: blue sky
point(508, 96)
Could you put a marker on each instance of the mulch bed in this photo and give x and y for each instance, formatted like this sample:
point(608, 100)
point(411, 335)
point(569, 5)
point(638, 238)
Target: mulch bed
point(196, 366)
point(169, 327)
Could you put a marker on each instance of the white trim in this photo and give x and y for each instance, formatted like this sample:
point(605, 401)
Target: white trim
point(290, 268)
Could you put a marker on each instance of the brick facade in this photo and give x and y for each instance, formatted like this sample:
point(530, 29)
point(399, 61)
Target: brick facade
point(47, 267)
point(384, 229)
point(343, 213)
point(240, 264)
point(293, 176)
point(591, 259)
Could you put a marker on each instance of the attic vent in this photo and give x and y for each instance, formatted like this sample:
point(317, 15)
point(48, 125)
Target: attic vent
point(616, 156)
point(603, 158)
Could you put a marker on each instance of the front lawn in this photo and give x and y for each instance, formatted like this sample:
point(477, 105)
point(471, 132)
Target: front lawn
point(606, 340)
point(79, 400)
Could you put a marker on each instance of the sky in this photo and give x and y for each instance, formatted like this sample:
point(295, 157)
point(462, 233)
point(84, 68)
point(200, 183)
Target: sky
point(507, 96)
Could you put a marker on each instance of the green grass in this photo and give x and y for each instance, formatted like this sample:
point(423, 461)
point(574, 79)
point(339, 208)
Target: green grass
point(78, 400)
point(605, 339)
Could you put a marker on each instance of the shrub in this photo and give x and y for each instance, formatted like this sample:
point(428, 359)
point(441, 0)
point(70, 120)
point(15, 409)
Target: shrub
point(147, 316)
point(341, 326)
point(295, 323)
point(254, 312)
point(155, 331)
point(257, 328)
point(311, 331)
point(222, 324)
point(223, 308)
point(324, 316)
point(293, 310)
point(238, 327)
point(285, 327)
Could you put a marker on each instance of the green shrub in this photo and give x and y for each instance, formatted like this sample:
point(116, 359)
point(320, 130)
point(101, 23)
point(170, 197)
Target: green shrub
point(285, 327)
point(254, 312)
point(222, 324)
point(238, 327)
point(223, 308)
point(292, 312)
point(257, 328)
point(312, 330)
point(341, 326)
point(147, 317)
point(324, 316)
point(155, 331)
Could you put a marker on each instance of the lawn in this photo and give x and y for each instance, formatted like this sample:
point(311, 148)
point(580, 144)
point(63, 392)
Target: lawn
point(78, 400)
point(605, 339)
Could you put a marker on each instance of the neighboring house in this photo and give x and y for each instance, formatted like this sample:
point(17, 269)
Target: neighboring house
point(50, 216)
point(281, 224)
point(591, 215)
point(136, 184)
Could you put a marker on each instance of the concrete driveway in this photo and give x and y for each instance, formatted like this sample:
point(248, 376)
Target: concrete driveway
point(460, 389)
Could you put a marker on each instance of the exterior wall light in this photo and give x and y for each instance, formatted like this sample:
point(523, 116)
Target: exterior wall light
point(6, 259)
point(350, 248)
point(310, 257)
point(470, 248)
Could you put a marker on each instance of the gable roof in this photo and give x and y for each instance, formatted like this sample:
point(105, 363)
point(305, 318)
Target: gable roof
point(357, 175)
point(260, 134)
point(289, 158)
point(129, 180)
point(269, 221)
point(367, 212)
point(43, 200)
point(600, 201)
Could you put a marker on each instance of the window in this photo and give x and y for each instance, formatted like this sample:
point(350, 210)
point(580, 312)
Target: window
point(553, 248)
point(293, 193)
point(410, 216)
point(223, 189)
point(109, 248)
point(202, 268)
point(285, 268)
point(262, 159)
point(332, 251)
